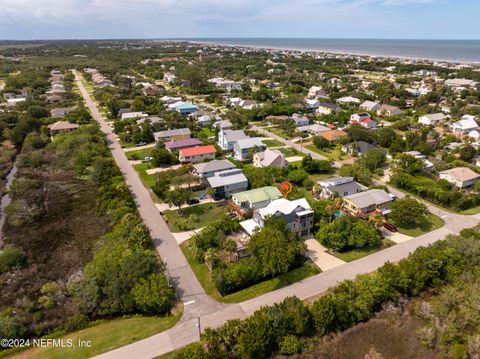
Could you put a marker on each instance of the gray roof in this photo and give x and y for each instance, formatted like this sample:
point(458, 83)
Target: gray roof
point(370, 197)
point(214, 166)
point(346, 187)
point(360, 146)
point(225, 178)
point(234, 135)
point(249, 142)
point(170, 133)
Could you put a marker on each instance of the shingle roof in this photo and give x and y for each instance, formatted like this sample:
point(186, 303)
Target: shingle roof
point(234, 135)
point(184, 142)
point(62, 125)
point(170, 133)
point(249, 143)
point(214, 166)
point(461, 173)
point(225, 178)
point(370, 197)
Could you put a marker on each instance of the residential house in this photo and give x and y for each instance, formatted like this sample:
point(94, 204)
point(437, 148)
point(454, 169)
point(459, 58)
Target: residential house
point(197, 154)
point(339, 186)
point(460, 83)
point(61, 112)
point(150, 90)
point(177, 145)
point(222, 124)
point(269, 157)
point(363, 203)
point(427, 165)
point(298, 214)
point(11, 102)
point(170, 100)
point(208, 169)
point(175, 134)
point(54, 99)
point(333, 135)
point(131, 115)
point(357, 147)
point(314, 129)
point(244, 203)
point(228, 85)
point(316, 91)
point(169, 77)
point(311, 104)
point(388, 110)
point(226, 138)
point(227, 183)
point(300, 120)
point(243, 148)
point(460, 177)
point(61, 127)
point(348, 100)
point(370, 106)
point(183, 108)
point(326, 108)
point(431, 119)
point(363, 119)
point(464, 126)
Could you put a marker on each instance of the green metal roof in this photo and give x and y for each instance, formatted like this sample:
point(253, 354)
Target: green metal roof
point(259, 195)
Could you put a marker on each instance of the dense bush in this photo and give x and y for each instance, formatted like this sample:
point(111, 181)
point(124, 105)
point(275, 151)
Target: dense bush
point(11, 258)
point(437, 191)
point(348, 233)
point(270, 329)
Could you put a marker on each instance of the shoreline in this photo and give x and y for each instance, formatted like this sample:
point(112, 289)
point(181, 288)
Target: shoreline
point(330, 52)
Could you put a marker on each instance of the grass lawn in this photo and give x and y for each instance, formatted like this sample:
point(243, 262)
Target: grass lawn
point(140, 154)
point(203, 275)
point(272, 143)
point(278, 131)
point(194, 217)
point(148, 180)
point(355, 254)
point(470, 211)
point(320, 176)
point(433, 222)
point(291, 152)
point(333, 154)
point(104, 336)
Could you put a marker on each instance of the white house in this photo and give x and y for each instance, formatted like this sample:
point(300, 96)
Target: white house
point(269, 157)
point(431, 119)
point(315, 91)
point(243, 147)
point(370, 106)
point(226, 138)
point(464, 126)
point(348, 100)
point(300, 120)
point(169, 77)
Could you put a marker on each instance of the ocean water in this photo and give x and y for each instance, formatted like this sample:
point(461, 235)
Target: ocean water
point(450, 50)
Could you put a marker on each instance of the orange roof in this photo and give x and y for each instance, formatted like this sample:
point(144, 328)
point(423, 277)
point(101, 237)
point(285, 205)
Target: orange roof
point(196, 151)
point(333, 135)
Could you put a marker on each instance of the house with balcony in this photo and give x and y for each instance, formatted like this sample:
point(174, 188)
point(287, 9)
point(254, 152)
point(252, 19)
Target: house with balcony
point(227, 138)
point(208, 169)
point(226, 183)
point(298, 214)
point(245, 148)
point(244, 203)
point(339, 186)
point(363, 203)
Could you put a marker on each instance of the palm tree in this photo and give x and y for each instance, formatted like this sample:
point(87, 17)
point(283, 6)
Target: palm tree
point(376, 220)
point(210, 258)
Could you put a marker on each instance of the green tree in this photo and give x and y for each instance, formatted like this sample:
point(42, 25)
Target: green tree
point(408, 211)
point(178, 197)
point(373, 159)
point(153, 295)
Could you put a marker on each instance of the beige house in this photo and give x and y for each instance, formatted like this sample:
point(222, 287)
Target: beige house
point(460, 177)
point(269, 157)
point(363, 203)
point(62, 127)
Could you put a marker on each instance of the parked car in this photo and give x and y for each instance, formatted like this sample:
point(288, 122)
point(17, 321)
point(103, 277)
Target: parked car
point(140, 144)
point(193, 201)
point(390, 227)
point(147, 159)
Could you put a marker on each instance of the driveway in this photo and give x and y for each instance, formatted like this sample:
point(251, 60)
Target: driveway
point(130, 149)
point(318, 254)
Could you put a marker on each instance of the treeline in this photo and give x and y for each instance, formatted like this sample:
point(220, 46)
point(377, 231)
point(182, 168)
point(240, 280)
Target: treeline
point(282, 328)
point(115, 274)
point(440, 192)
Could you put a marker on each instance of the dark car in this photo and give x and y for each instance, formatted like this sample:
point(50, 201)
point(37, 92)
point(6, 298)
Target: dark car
point(193, 201)
point(390, 227)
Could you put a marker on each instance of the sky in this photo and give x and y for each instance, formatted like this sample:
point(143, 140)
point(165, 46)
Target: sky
point(102, 19)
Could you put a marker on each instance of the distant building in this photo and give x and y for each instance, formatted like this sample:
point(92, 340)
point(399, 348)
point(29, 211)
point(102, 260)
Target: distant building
point(62, 127)
point(388, 110)
point(326, 108)
point(61, 112)
point(464, 126)
point(431, 119)
point(130, 115)
point(175, 134)
point(460, 83)
point(177, 145)
point(357, 147)
point(243, 148)
point(227, 138)
point(348, 100)
point(333, 135)
point(370, 106)
point(300, 120)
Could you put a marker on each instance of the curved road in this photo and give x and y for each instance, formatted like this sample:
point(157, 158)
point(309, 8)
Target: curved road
point(212, 313)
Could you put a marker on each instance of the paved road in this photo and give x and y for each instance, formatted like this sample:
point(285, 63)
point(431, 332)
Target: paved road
point(212, 313)
point(188, 287)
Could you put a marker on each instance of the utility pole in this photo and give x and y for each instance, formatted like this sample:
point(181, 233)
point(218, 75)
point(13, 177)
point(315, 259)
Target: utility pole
point(199, 328)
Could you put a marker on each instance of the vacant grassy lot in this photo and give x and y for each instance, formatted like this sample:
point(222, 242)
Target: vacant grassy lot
point(148, 180)
point(203, 275)
point(140, 154)
point(433, 222)
point(272, 143)
point(355, 254)
point(194, 217)
point(333, 154)
point(104, 336)
point(290, 152)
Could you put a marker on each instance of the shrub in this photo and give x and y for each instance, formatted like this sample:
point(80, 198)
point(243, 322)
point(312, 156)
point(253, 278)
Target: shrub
point(11, 258)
